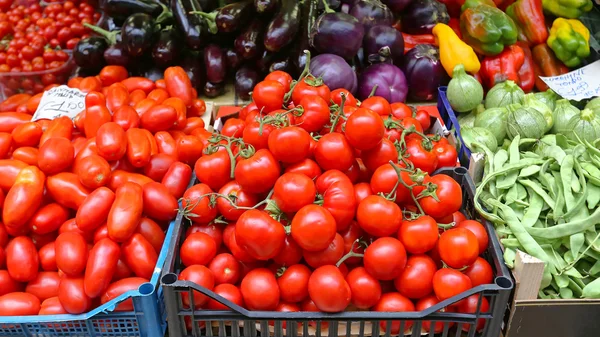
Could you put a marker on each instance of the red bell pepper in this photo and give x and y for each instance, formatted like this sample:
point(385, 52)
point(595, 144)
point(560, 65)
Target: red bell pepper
point(526, 72)
point(502, 67)
point(529, 16)
point(410, 41)
point(546, 64)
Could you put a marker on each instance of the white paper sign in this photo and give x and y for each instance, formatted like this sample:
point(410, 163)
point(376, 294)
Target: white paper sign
point(578, 84)
point(60, 101)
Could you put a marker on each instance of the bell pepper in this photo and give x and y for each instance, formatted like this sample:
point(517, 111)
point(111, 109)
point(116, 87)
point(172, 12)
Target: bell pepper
point(474, 3)
point(529, 16)
point(545, 64)
point(569, 39)
point(487, 29)
point(502, 67)
point(526, 72)
point(410, 41)
point(454, 23)
point(453, 7)
point(453, 51)
point(570, 9)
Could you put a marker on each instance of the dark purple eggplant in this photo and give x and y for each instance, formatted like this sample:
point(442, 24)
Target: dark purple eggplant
point(234, 16)
point(167, 48)
point(384, 44)
point(310, 13)
point(264, 61)
point(265, 6)
point(234, 60)
point(154, 74)
point(337, 33)
point(424, 72)
point(212, 90)
point(116, 55)
point(249, 43)
point(397, 5)
point(194, 67)
point(136, 33)
point(215, 63)
point(284, 26)
point(282, 64)
point(124, 8)
point(335, 72)
point(208, 5)
point(245, 80)
point(388, 81)
point(372, 12)
point(191, 26)
point(89, 52)
point(422, 15)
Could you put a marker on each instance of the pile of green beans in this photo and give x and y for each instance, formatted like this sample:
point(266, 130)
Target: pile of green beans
point(543, 196)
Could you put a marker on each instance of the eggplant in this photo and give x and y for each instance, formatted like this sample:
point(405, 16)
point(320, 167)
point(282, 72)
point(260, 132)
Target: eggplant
point(333, 4)
point(89, 52)
point(192, 26)
point(167, 48)
point(384, 44)
point(215, 63)
point(124, 8)
point(263, 62)
point(265, 6)
point(245, 80)
point(281, 64)
point(154, 74)
point(284, 26)
point(233, 59)
point(249, 43)
point(424, 72)
point(193, 66)
point(310, 13)
point(116, 55)
point(337, 33)
point(208, 5)
point(388, 81)
point(372, 12)
point(234, 16)
point(397, 5)
point(136, 33)
point(212, 90)
point(335, 72)
point(422, 15)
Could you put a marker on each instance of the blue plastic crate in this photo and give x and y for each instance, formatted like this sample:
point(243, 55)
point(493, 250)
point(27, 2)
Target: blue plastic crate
point(451, 123)
point(148, 318)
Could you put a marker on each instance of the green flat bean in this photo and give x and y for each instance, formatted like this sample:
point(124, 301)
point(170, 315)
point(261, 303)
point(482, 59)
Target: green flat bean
point(575, 187)
point(595, 269)
point(592, 289)
point(535, 187)
point(529, 154)
point(532, 214)
point(580, 202)
point(566, 172)
point(509, 257)
point(576, 241)
point(566, 229)
point(591, 240)
point(562, 281)
point(560, 197)
point(511, 195)
point(514, 157)
point(566, 293)
point(521, 192)
point(593, 196)
point(529, 171)
point(510, 243)
point(576, 288)
point(500, 158)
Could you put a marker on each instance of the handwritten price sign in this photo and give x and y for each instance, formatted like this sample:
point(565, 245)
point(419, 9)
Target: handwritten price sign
point(60, 101)
point(577, 85)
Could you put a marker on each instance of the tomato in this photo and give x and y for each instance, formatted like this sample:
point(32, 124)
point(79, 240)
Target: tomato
point(177, 178)
point(119, 177)
point(227, 291)
point(71, 295)
point(233, 127)
point(289, 144)
point(293, 191)
point(93, 171)
point(476, 228)
point(314, 113)
point(44, 286)
point(394, 302)
point(377, 104)
point(121, 272)
point(380, 155)
point(419, 235)
point(449, 282)
point(260, 290)
point(214, 169)
point(159, 204)
point(225, 268)
point(198, 248)
point(112, 74)
point(61, 127)
point(111, 141)
point(22, 259)
point(308, 167)
point(101, 266)
point(179, 84)
point(28, 155)
point(385, 258)
point(19, 304)
point(480, 272)
point(193, 123)
point(27, 134)
point(67, 190)
point(328, 289)
point(117, 96)
point(238, 196)
point(336, 97)
point(48, 218)
point(330, 255)
point(416, 280)
point(8, 284)
point(12, 102)
point(257, 173)
point(159, 118)
point(361, 191)
point(282, 77)
point(458, 247)
point(333, 152)
point(385, 178)
point(126, 117)
point(125, 212)
point(458, 217)
point(71, 253)
point(448, 193)
point(304, 89)
point(95, 117)
point(52, 306)
point(400, 110)
point(139, 255)
point(293, 283)
point(378, 216)
point(338, 197)
point(120, 287)
point(47, 257)
point(138, 147)
point(152, 232)
point(189, 149)
point(90, 84)
point(426, 303)
point(236, 250)
point(197, 201)
point(290, 254)
point(424, 118)
point(9, 170)
point(421, 154)
point(139, 83)
point(446, 154)
point(166, 143)
point(261, 236)
point(6, 143)
point(257, 137)
point(268, 95)
point(470, 306)
point(313, 228)
point(366, 290)
point(24, 198)
point(351, 235)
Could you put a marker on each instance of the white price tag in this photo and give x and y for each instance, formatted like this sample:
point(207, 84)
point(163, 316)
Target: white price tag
point(60, 101)
point(578, 84)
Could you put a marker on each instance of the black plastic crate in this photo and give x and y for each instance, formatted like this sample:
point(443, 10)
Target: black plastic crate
point(244, 323)
point(451, 122)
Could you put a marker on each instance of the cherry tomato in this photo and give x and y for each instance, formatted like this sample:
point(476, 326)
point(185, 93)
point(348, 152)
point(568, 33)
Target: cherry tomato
point(260, 290)
point(416, 280)
point(328, 289)
point(385, 258)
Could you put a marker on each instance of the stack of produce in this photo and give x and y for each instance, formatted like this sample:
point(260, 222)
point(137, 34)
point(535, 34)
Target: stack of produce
point(310, 201)
point(541, 183)
point(85, 203)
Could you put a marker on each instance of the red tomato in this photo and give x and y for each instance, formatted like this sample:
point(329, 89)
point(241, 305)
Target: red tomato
point(229, 292)
point(364, 129)
point(366, 290)
point(27, 134)
point(282, 77)
point(179, 84)
point(189, 149)
point(44, 286)
point(120, 287)
point(61, 127)
point(214, 169)
point(48, 218)
point(304, 89)
point(95, 117)
point(158, 202)
point(293, 191)
point(361, 191)
point(238, 196)
point(268, 95)
point(448, 193)
point(378, 216)
point(52, 306)
point(71, 226)
point(256, 135)
point(293, 283)
point(125, 212)
point(120, 177)
point(258, 173)
point(233, 127)
point(117, 96)
point(225, 268)
point(126, 117)
point(449, 282)
point(480, 272)
point(290, 254)
point(138, 147)
point(198, 248)
point(378, 105)
point(101, 267)
point(139, 255)
point(446, 154)
point(421, 154)
point(24, 198)
point(394, 302)
point(337, 192)
point(66, 189)
point(8, 284)
point(94, 210)
point(424, 118)
point(314, 113)
point(22, 260)
point(166, 143)
point(47, 257)
point(476, 228)
point(28, 155)
point(328, 289)
point(152, 232)
point(71, 253)
point(416, 280)
point(470, 306)
point(19, 304)
point(111, 141)
point(93, 171)
point(308, 167)
point(336, 97)
point(260, 290)
point(458, 247)
point(385, 258)
point(351, 236)
point(333, 152)
point(261, 236)
point(72, 296)
point(197, 201)
point(6, 143)
point(159, 118)
point(313, 228)
point(458, 217)
point(330, 255)
point(289, 144)
point(426, 303)
point(419, 235)
point(177, 178)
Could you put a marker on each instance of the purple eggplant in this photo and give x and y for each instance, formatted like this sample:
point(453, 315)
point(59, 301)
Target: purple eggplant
point(212, 90)
point(265, 6)
point(167, 48)
point(335, 72)
point(284, 26)
point(233, 59)
point(422, 15)
point(389, 79)
point(137, 33)
point(89, 52)
point(192, 26)
point(245, 80)
point(372, 12)
point(194, 67)
point(154, 74)
point(234, 16)
point(249, 43)
point(215, 63)
point(281, 64)
point(337, 33)
point(309, 16)
point(384, 44)
point(116, 55)
point(424, 72)
point(397, 5)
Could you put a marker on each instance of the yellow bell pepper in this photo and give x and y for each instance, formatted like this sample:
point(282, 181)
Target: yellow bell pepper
point(569, 39)
point(453, 51)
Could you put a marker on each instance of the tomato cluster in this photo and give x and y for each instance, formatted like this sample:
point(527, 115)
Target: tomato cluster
point(311, 201)
point(85, 203)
